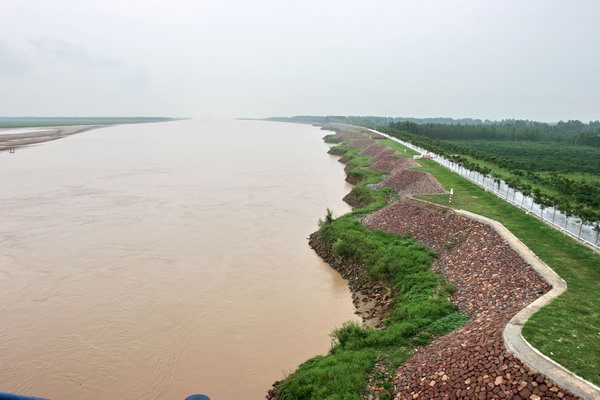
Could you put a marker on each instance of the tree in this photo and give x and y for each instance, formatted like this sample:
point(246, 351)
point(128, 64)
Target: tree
point(539, 199)
point(526, 191)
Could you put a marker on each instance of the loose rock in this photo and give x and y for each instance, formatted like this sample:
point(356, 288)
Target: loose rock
point(492, 284)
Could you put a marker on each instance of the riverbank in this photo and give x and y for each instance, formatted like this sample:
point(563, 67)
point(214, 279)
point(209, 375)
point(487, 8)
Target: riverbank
point(12, 141)
point(491, 283)
point(28, 122)
point(415, 309)
point(17, 132)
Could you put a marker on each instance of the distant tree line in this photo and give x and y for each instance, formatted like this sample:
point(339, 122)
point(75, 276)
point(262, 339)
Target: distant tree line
point(15, 122)
point(571, 132)
point(575, 198)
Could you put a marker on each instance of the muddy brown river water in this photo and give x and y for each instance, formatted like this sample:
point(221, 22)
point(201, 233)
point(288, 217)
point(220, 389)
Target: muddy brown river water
point(155, 261)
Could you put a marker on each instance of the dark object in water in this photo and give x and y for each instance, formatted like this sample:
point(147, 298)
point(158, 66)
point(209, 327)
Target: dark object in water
point(10, 396)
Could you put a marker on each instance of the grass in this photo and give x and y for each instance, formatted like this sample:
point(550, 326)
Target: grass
point(371, 199)
point(421, 305)
point(568, 329)
point(332, 138)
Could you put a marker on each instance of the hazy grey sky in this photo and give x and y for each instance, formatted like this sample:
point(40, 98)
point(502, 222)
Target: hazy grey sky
point(536, 59)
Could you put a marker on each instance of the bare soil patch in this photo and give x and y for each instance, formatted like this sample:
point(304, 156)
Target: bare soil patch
point(372, 299)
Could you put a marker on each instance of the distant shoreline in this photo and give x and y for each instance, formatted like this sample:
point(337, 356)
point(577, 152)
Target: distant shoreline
point(14, 141)
point(30, 122)
point(54, 128)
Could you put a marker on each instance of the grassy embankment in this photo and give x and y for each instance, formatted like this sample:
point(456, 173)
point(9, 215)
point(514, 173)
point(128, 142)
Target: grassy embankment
point(421, 305)
point(568, 329)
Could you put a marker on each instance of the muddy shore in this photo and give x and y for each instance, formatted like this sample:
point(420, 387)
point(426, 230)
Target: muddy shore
point(11, 141)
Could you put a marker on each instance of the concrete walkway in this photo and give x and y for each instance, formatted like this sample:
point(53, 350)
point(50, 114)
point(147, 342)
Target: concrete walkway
point(514, 340)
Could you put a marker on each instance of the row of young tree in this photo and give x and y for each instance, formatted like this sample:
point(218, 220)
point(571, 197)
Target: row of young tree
point(571, 132)
point(573, 198)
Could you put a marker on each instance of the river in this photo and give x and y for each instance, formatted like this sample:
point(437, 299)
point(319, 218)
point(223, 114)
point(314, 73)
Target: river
point(159, 260)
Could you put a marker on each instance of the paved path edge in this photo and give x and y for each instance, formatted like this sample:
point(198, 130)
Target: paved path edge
point(513, 338)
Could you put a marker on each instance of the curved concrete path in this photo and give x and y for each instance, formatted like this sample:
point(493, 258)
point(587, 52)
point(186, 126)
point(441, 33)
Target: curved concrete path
point(513, 338)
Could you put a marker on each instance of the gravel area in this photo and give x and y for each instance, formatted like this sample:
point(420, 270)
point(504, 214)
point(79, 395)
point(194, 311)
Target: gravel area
point(362, 143)
point(492, 284)
point(377, 136)
point(408, 181)
point(373, 150)
point(351, 135)
point(384, 154)
point(391, 163)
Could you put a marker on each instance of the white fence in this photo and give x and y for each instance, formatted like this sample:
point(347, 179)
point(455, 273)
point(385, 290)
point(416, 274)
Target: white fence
point(572, 225)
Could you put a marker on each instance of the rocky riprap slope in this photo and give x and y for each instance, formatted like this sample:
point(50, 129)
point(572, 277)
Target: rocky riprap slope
point(401, 179)
point(405, 182)
point(373, 150)
point(350, 135)
point(390, 163)
point(383, 154)
point(492, 284)
point(361, 143)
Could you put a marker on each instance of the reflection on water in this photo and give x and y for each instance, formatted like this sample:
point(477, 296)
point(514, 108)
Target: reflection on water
point(160, 260)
